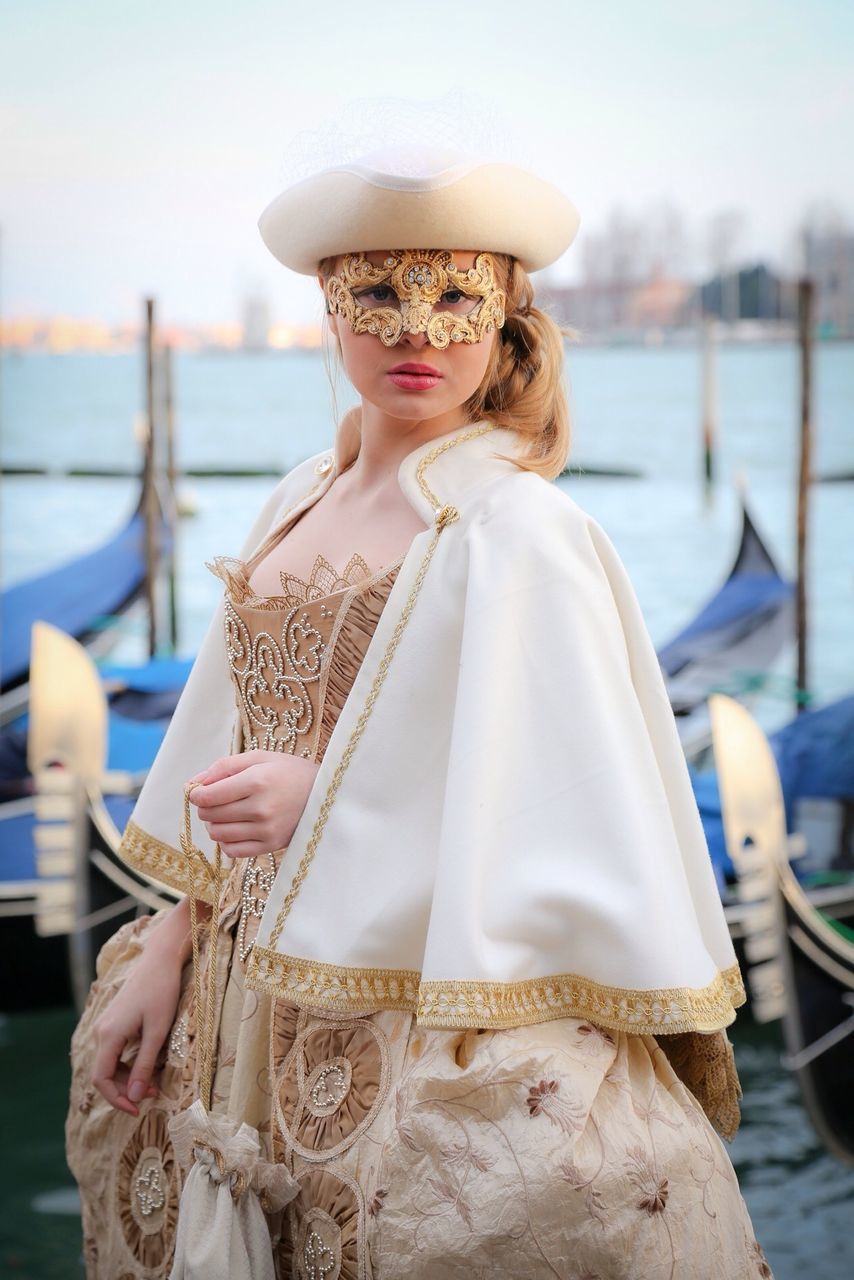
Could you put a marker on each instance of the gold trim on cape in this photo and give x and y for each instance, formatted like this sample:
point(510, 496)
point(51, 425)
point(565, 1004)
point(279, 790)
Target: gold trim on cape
point(496, 1005)
point(444, 516)
point(155, 858)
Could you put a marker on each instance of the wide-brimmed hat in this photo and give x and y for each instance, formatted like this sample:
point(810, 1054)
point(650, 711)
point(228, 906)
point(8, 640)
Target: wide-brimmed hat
point(419, 200)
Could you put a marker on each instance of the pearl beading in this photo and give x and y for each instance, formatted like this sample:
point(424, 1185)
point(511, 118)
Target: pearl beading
point(324, 1095)
point(150, 1194)
point(319, 1260)
point(252, 902)
point(179, 1040)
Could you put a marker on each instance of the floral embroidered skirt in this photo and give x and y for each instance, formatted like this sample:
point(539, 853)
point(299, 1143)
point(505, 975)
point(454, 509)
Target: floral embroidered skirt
point(558, 1150)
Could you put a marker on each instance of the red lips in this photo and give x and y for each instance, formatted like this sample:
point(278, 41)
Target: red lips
point(425, 370)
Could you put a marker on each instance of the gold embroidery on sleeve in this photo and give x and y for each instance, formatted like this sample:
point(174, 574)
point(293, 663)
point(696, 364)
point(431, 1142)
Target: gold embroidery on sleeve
point(161, 861)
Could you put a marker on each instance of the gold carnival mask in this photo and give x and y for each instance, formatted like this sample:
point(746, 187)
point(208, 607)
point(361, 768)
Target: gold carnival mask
point(406, 294)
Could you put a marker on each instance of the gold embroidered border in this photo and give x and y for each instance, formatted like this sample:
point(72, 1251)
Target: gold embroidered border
point(154, 858)
point(496, 1004)
point(512, 1004)
point(334, 987)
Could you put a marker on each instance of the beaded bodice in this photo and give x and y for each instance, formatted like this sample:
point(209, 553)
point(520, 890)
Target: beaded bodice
point(293, 659)
point(281, 649)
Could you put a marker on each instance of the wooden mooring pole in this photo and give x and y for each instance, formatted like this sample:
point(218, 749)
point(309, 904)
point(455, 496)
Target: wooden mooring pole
point(805, 339)
point(171, 495)
point(150, 500)
point(710, 401)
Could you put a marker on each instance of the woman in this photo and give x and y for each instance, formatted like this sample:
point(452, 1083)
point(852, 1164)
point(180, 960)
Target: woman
point(470, 1008)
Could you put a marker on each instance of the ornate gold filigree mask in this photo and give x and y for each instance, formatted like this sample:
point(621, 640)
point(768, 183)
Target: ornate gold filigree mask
point(418, 291)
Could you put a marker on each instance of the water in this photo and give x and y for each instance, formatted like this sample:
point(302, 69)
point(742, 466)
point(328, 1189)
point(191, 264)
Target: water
point(632, 408)
point(35, 1240)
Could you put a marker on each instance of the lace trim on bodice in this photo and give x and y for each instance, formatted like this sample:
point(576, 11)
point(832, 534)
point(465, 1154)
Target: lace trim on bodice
point(324, 581)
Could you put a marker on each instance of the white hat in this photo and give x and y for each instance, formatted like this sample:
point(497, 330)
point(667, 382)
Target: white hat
point(424, 198)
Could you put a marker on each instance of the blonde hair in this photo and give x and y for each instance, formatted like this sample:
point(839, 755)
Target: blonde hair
point(523, 387)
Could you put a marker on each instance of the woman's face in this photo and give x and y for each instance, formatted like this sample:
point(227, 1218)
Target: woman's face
point(437, 382)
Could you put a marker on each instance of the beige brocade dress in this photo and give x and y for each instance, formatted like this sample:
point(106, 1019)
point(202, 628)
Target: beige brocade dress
point(559, 1150)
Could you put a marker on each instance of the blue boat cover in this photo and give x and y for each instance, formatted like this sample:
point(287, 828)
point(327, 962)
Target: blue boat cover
point(749, 615)
point(815, 754)
point(156, 676)
point(746, 596)
point(76, 597)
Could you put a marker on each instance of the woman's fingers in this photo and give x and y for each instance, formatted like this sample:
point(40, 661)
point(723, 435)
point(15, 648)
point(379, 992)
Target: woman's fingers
point(234, 832)
point(226, 767)
point(247, 849)
point(228, 790)
point(239, 811)
point(108, 1078)
point(153, 1037)
point(256, 808)
point(115, 1090)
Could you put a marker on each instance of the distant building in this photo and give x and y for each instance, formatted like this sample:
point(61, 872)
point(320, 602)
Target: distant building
point(829, 261)
point(660, 304)
point(664, 306)
point(614, 309)
point(256, 324)
point(753, 293)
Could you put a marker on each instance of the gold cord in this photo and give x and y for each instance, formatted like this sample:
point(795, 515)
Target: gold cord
point(430, 458)
point(199, 869)
point(445, 516)
point(200, 879)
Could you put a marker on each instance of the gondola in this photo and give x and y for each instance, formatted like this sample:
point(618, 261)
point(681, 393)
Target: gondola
point(75, 596)
point(90, 739)
point(800, 963)
point(742, 628)
point(814, 756)
point(85, 596)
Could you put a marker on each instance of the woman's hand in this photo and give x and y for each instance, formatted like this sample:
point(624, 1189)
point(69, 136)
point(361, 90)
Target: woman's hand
point(144, 1009)
point(251, 803)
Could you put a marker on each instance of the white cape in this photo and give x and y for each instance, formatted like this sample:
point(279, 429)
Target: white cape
point(502, 828)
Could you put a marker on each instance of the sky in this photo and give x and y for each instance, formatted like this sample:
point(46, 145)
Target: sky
point(140, 142)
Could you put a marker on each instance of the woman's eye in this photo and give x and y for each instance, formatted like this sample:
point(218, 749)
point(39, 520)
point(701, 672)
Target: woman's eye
point(380, 294)
point(457, 301)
